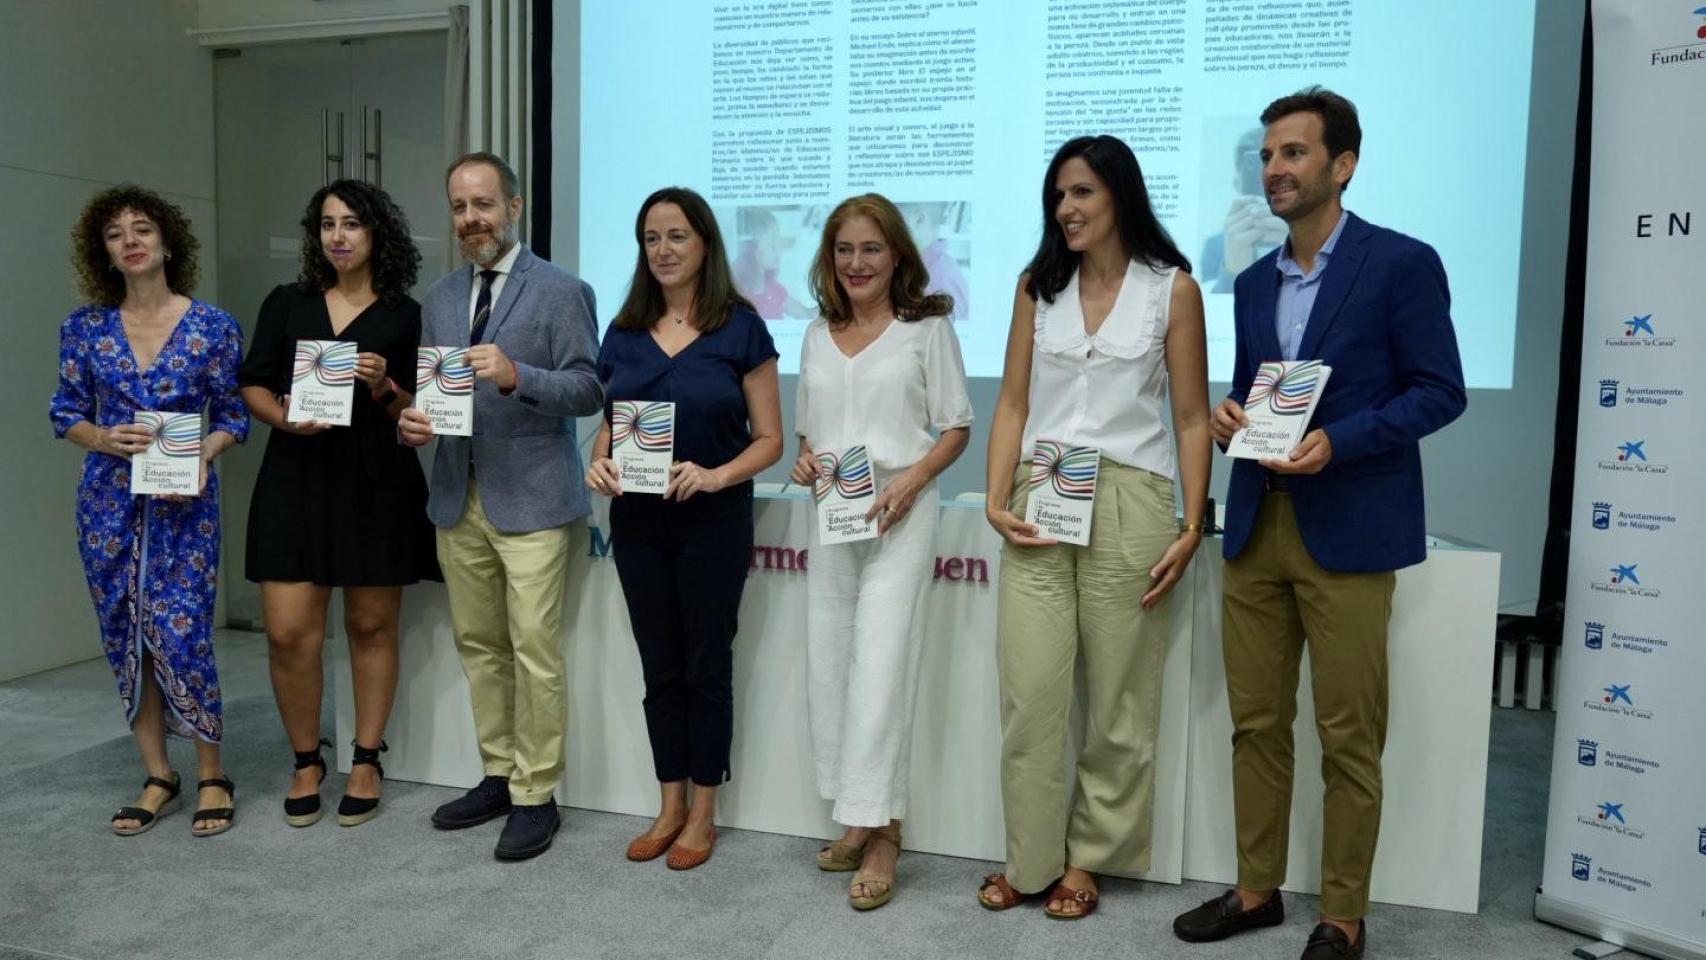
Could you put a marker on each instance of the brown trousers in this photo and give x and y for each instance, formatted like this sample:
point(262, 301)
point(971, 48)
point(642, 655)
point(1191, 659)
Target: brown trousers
point(1275, 596)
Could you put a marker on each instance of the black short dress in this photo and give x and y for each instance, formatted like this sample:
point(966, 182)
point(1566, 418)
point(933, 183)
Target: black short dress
point(345, 507)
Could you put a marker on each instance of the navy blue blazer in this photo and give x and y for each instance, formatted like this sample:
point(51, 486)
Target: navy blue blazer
point(1382, 321)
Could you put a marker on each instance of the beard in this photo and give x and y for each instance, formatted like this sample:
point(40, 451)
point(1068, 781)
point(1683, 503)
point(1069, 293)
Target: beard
point(484, 247)
point(1311, 196)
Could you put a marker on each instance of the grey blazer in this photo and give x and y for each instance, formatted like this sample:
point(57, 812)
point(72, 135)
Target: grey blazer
point(523, 449)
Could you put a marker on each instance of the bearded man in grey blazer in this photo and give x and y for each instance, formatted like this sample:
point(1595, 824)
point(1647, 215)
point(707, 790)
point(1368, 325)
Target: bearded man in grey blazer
point(505, 500)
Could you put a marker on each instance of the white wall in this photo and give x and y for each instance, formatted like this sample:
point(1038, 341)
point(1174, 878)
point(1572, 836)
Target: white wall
point(90, 102)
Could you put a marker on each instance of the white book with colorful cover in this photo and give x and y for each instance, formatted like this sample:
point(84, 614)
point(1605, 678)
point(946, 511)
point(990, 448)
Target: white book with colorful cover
point(172, 462)
point(845, 491)
point(444, 389)
point(1063, 491)
point(1281, 401)
point(322, 382)
point(642, 442)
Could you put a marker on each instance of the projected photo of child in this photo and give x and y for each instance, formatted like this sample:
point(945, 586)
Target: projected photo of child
point(766, 244)
point(942, 230)
point(1234, 207)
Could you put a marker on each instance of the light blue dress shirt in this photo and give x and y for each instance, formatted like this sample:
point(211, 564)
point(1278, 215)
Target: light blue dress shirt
point(1297, 292)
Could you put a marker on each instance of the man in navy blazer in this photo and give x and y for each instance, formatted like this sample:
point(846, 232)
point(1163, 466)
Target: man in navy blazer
point(1312, 541)
point(505, 498)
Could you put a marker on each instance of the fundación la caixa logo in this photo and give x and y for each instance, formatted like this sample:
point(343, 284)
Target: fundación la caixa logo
point(1625, 579)
point(1685, 53)
point(1619, 699)
point(1596, 637)
point(1631, 456)
point(1611, 818)
point(1640, 330)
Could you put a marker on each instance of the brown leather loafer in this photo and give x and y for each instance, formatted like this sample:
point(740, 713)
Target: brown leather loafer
point(1224, 916)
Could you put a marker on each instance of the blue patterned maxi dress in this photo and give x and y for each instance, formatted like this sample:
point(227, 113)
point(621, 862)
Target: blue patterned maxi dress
point(152, 564)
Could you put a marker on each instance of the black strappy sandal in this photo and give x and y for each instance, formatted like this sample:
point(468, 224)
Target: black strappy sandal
point(227, 814)
point(355, 811)
point(142, 815)
point(305, 811)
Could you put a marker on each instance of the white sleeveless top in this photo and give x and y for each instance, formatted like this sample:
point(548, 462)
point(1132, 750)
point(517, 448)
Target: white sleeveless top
point(1108, 390)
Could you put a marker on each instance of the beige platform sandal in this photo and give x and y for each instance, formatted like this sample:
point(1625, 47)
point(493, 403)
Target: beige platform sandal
point(841, 856)
point(885, 888)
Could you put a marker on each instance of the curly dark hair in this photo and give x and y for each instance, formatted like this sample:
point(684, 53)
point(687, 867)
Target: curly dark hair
point(394, 260)
point(96, 276)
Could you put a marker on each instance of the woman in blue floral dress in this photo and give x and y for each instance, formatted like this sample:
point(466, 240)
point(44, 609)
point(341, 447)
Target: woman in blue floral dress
point(152, 562)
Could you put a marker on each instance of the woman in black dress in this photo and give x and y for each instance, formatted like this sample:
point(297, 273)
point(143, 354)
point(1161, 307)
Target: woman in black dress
point(339, 506)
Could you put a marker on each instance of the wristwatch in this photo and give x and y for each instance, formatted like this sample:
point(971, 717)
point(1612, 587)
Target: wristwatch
point(384, 395)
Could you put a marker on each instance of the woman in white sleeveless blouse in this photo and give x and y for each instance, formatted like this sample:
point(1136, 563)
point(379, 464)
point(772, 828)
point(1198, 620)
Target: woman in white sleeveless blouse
point(880, 368)
point(1107, 327)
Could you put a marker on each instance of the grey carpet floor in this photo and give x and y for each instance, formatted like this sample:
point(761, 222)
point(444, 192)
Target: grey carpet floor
point(395, 888)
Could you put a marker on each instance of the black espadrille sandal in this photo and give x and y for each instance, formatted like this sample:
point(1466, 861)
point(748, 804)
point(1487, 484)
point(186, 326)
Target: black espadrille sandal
point(305, 811)
point(209, 814)
point(355, 811)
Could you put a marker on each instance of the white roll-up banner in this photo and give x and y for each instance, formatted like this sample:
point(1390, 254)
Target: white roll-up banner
point(1626, 835)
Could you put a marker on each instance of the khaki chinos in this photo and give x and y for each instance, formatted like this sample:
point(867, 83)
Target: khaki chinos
point(1275, 596)
point(1055, 603)
point(507, 608)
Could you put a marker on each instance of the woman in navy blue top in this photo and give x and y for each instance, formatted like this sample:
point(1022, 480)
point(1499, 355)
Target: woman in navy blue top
point(685, 336)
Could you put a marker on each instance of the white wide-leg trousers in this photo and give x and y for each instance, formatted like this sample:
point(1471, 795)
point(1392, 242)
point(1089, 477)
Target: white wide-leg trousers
point(863, 643)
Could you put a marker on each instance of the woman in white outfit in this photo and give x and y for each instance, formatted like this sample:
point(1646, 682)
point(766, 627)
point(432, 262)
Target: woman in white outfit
point(880, 368)
point(1107, 332)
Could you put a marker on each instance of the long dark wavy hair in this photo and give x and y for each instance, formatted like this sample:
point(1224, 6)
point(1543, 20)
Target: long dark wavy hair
point(96, 278)
point(906, 291)
point(1141, 233)
point(715, 298)
point(394, 260)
